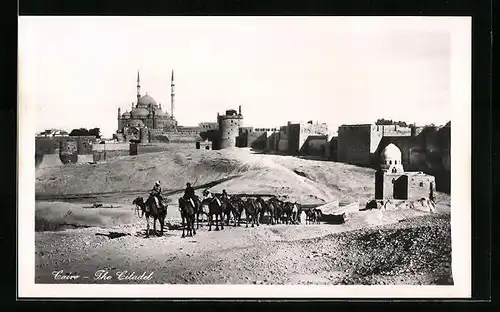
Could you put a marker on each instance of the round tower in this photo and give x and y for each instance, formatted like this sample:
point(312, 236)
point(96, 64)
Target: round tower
point(229, 125)
point(68, 151)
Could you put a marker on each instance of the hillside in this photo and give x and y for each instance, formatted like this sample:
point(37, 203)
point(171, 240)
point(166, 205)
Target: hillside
point(238, 170)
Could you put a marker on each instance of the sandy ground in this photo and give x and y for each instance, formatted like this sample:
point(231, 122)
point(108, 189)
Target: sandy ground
point(271, 254)
point(268, 254)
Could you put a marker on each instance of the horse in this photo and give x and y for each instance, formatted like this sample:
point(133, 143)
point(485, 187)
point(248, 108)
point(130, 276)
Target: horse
point(214, 209)
point(252, 211)
point(150, 209)
point(267, 206)
point(188, 215)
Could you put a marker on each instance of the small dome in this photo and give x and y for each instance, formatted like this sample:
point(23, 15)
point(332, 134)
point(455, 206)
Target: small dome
point(145, 101)
point(391, 151)
point(159, 112)
point(126, 115)
point(136, 123)
point(139, 112)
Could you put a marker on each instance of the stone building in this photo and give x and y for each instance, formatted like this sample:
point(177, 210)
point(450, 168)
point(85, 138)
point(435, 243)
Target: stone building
point(392, 182)
point(229, 125)
point(148, 115)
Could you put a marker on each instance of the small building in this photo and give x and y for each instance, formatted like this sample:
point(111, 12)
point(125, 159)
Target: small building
point(392, 182)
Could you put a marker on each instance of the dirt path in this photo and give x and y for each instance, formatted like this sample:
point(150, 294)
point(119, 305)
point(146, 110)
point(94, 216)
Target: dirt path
point(268, 254)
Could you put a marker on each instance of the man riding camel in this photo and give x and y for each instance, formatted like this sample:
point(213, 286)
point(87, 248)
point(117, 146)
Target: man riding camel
point(189, 194)
point(225, 196)
point(156, 192)
point(209, 195)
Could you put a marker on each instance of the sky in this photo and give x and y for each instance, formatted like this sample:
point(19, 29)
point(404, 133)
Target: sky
point(76, 71)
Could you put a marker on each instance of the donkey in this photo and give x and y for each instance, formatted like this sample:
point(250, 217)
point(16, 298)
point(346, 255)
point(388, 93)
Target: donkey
point(188, 215)
point(151, 209)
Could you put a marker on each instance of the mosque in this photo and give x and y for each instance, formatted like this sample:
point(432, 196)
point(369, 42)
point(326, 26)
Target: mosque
point(392, 182)
point(146, 116)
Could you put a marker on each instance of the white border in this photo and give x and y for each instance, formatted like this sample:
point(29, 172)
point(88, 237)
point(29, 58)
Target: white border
point(460, 30)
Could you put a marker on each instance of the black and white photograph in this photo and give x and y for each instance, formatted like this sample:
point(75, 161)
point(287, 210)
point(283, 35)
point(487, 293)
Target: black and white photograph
point(244, 156)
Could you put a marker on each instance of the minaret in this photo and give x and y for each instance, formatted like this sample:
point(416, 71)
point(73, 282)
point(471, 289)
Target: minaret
point(172, 95)
point(138, 88)
point(119, 116)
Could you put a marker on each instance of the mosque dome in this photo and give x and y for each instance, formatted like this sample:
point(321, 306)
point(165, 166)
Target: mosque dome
point(126, 115)
point(391, 159)
point(136, 123)
point(392, 152)
point(145, 101)
point(139, 112)
point(160, 113)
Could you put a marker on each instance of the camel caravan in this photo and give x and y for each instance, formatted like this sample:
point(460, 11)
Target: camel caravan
point(222, 210)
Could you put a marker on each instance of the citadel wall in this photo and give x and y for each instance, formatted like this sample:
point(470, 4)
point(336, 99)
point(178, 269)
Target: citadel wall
point(50, 145)
point(354, 144)
point(316, 145)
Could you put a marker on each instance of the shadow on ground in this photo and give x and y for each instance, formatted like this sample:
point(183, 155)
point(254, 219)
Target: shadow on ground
point(113, 235)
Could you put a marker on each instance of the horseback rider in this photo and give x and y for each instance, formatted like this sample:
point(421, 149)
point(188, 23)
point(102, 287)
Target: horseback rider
point(156, 192)
point(189, 194)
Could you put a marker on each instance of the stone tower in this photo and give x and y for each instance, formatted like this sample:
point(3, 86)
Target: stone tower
point(172, 95)
point(229, 125)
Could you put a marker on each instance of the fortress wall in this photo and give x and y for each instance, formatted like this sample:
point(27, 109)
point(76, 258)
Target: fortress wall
point(49, 145)
point(353, 145)
point(108, 151)
point(110, 147)
point(331, 153)
point(294, 143)
point(257, 140)
point(165, 147)
point(46, 145)
point(315, 145)
point(283, 145)
point(272, 141)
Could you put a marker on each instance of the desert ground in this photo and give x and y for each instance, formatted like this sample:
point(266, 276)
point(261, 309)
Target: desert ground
point(93, 245)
